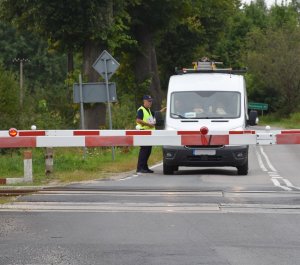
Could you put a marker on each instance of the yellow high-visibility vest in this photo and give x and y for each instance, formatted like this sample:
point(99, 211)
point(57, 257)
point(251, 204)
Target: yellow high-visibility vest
point(147, 117)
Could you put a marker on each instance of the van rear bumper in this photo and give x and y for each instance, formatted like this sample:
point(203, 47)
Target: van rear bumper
point(224, 156)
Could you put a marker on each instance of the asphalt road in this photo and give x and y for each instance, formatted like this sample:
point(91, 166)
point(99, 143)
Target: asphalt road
point(197, 216)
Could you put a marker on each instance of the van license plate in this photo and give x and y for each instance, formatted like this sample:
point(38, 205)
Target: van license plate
point(204, 152)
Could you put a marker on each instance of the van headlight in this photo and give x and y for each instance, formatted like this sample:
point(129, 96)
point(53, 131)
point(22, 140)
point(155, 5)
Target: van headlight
point(240, 154)
point(169, 154)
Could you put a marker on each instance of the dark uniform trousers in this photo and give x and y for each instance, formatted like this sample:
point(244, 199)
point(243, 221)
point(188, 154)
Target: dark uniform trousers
point(144, 154)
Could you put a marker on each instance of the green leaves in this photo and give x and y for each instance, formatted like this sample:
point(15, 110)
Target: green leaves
point(149, 38)
point(273, 59)
point(9, 100)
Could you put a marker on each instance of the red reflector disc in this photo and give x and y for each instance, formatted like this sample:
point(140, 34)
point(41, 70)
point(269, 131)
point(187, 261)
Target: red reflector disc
point(204, 130)
point(13, 132)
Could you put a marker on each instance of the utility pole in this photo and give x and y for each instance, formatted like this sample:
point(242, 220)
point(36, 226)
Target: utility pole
point(21, 61)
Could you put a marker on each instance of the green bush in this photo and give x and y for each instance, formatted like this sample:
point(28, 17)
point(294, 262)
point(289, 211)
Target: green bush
point(9, 100)
point(291, 122)
point(124, 113)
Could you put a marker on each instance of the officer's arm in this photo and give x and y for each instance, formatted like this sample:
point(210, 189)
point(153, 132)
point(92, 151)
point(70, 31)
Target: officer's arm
point(139, 121)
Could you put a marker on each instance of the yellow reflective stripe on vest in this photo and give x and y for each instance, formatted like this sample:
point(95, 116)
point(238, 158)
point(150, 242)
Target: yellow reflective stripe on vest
point(146, 117)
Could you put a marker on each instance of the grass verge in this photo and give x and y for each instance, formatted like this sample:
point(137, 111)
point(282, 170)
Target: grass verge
point(291, 122)
point(75, 164)
point(7, 199)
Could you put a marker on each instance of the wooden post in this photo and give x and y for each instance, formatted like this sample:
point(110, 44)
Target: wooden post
point(49, 161)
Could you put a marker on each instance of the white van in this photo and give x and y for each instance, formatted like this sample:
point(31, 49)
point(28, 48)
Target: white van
point(216, 99)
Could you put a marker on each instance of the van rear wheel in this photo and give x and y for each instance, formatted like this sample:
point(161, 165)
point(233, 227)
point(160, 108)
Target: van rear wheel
point(243, 170)
point(169, 170)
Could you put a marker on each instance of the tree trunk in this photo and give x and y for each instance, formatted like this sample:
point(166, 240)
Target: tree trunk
point(146, 65)
point(70, 62)
point(95, 114)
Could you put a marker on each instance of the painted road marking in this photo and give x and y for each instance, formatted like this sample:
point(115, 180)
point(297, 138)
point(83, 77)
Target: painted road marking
point(136, 174)
point(275, 177)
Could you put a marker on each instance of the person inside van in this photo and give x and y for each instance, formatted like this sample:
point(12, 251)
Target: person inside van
point(198, 108)
point(178, 106)
point(220, 109)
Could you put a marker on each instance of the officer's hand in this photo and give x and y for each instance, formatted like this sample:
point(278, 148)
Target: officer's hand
point(163, 109)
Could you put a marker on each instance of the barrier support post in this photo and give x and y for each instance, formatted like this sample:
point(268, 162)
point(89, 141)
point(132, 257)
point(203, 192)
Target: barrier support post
point(28, 166)
point(49, 161)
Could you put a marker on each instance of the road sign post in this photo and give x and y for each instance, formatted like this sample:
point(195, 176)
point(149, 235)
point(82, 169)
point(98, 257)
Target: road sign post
point(81, 109)
point(81, 102)
point(106, 66)
point(107, 92)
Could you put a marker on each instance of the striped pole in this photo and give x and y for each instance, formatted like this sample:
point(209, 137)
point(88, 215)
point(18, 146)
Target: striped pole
point(97, 138)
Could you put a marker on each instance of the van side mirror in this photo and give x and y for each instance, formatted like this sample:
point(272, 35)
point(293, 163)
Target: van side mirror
point(160, 120)
point(253, 118)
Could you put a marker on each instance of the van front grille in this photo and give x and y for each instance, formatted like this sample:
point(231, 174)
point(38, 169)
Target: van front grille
point(204, 146)
point(204, 158)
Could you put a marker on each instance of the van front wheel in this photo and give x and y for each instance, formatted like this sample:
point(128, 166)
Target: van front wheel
point(243, 170)
point(169, 170)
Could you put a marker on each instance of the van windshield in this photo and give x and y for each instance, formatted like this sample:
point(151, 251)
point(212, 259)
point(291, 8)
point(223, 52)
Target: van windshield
point(205, 105)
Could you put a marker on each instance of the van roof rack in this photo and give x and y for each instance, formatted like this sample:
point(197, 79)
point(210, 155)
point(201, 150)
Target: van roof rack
point(207, 66)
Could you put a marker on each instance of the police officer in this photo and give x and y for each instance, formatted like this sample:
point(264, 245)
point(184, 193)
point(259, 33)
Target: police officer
point(145, 120)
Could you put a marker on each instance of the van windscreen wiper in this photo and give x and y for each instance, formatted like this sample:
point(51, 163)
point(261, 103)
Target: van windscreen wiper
point(178, 115)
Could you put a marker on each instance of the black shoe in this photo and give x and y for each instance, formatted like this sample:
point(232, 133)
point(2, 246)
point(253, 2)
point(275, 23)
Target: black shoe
point(143, 171)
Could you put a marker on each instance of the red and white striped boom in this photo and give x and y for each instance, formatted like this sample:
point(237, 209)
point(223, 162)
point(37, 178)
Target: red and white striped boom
point(95, 138)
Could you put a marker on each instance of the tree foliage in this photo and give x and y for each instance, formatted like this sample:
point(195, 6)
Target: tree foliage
point(195, 35)
point(9, 99)
point(272, 55)
point(73, 26)
point(273, 59)
point(149, 38)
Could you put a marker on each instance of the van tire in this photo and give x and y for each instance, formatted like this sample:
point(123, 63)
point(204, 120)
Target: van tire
point(169, 170)
point(243, 170)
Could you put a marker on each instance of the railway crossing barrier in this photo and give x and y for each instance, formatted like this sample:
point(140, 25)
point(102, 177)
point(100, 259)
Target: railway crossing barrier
point(99, 138)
